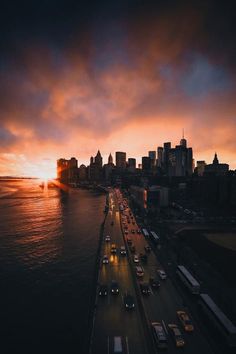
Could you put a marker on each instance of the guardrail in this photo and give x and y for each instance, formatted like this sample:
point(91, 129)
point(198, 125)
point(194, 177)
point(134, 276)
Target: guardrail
point(93, 301)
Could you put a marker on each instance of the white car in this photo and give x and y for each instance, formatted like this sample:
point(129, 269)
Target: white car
point(123, 251)
point(105, 259)
point(108, 238)
point(136, 259)
point(162, 274)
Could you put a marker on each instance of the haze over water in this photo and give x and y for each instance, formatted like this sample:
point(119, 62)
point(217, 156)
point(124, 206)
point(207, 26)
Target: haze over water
point(48, 247)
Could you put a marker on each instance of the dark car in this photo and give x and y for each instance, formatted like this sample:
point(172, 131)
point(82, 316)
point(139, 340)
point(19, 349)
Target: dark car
point(144, 287)
point(147, 248)
point(112, 223)
point(128, 301)
point(176, 335)
point(103, 290)
point(114, 287)
point(143, 257)
point(129, 241)
point(155, 284)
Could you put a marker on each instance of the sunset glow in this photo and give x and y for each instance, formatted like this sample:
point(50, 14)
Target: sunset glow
point(118, 87)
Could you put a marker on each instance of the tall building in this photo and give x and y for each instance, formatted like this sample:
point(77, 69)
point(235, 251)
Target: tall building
point(110, 159)
point(153, 156)
point(131, 164)
point(98, 159)
point(67, 170)
point(121, 159)
point(216, 168)
point(146, 163)
point(160, 156)
point(183, 142)
point(82, 173)
point(166, 150)
point(178, 161)
point(95, 168)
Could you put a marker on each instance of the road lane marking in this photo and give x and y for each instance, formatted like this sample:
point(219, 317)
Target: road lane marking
point(127, 344)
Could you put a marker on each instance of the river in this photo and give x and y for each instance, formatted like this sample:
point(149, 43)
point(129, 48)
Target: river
point(48, 244)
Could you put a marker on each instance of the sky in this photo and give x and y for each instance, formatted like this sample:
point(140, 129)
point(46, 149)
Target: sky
point(129, 75)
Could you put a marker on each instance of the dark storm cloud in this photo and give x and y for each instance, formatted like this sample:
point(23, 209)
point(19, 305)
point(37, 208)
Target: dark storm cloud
point(81, 71)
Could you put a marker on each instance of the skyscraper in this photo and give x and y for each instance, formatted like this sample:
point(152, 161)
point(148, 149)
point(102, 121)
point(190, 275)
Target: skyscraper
point(131, 164)
point(146, 163)
point(98, 159)
point(121, 159)
point(160, 156)
point(152, 156)
point(110, 159)
point(166, 150)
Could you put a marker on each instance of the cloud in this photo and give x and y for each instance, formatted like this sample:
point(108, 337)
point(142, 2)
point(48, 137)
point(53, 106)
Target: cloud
point(128, 83)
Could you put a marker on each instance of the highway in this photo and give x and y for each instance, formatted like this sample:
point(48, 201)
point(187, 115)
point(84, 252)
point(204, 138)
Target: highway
point(112, 319)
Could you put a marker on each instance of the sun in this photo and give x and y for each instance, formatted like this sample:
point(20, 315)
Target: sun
point(46, 173)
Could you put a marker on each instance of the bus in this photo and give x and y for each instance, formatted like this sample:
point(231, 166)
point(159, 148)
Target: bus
point(189, 281)
point(145, 232)
point(155, 238)
point(218, 319)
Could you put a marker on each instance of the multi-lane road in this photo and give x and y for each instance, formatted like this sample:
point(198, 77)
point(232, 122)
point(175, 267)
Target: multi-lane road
point(111, 319)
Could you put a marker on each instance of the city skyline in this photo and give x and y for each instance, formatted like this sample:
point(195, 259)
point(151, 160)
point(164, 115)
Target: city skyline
point(46, 168)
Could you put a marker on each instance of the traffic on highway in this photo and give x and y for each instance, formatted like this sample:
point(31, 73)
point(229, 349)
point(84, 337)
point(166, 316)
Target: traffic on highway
point(138, 308)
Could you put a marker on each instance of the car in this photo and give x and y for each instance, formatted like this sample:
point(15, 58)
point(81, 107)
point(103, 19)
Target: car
point(123, 251)
point(147, 248)
point(112, 223)
point(126, 232)
point(129, 241)
point(133, 222)
point(133, 231)
point(114, 287)
point(143, 257)
point(118, 345)
point(176, 335)
point(144, 287)
point(138, 231)
point(108, 238)
point(136, 259)
point(159, 335)
point(139, 271)
point(128, 301)
point(105, 259)
point(185, 321)
point(155, 284)
point(162, 274)
point(103, 290)
point(113, 248)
